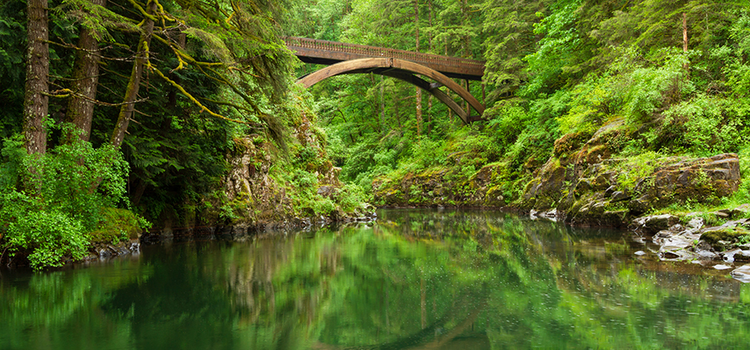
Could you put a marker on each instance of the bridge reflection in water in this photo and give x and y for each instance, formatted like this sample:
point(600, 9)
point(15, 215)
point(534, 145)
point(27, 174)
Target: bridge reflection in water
point(344, 58)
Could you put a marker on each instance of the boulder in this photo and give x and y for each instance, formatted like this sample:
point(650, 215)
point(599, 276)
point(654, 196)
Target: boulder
point(327, 191)
point(741, 273)
point(703, 179)
point(654, 223)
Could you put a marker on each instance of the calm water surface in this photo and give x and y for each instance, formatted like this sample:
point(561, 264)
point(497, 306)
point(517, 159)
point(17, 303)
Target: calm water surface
point(417, 279)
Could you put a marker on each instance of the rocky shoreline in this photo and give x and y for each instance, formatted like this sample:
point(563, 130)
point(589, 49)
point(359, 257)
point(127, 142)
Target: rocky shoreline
point(106, 251)
point(243, 230)
point(718, 240)
point(587, 181)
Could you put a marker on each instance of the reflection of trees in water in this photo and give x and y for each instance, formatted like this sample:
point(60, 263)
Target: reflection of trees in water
point(37, 310)
point(469, 263)
point(554, 286)
point(299, 271)
point(416, 280)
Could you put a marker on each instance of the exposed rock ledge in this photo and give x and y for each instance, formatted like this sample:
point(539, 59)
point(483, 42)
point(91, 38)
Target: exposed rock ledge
point(597, 196)
point(689, 238)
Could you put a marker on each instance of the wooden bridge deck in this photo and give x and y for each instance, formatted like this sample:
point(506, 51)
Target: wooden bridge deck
point(331, 52)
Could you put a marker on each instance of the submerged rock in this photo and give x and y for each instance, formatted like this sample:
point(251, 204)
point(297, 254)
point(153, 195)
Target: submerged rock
point(727, 242)
point(550, 215)
point(107, 251)
point(741, 273)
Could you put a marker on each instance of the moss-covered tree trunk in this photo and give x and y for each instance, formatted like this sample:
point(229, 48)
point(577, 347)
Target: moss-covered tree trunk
point(85, 80)
point(418, 112)
point(36, 100)
point(141, 59)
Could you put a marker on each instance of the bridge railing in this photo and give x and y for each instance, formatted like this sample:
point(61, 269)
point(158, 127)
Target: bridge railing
point(328, 49)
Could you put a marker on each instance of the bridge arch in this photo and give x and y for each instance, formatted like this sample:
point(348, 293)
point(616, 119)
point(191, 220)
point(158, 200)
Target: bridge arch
point(403, 70)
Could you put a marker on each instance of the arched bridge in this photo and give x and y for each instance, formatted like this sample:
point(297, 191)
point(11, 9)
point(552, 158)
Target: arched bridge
point(344, 58)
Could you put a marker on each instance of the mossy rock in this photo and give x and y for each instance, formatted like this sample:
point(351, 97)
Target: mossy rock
point(494, 196)
point(582, 187)
point(616, 218)
point(532, 163)
point(569, 143)
point(597, 154)
point(118, 224)
point(602, 182)
point(722, 238)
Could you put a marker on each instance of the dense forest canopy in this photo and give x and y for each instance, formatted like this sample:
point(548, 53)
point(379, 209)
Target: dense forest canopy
point(137, 104)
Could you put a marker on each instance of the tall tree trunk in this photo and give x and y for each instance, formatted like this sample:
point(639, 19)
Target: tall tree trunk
point(419, 91)
point(382, 107)
point(432, 50)
point(467, 40)
point(131, 93)
point(85, 80)
point(684, 33)
point(36, 101)
point(429, 37)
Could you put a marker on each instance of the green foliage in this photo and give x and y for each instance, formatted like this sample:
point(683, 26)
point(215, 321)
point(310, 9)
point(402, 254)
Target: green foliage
point(507, 120)
point(636, 168)
point(712, 125)
point(556, 50)
point(590, 106)
point(118, 225)
point(647, 89)
point(50, 236)
point(318, 19)
point(351, 197)
point(507, 42)
point(12, 53)
point(65, 194)
point(427, 153)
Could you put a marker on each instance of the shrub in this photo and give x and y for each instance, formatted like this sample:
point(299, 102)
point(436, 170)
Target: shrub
point(50, 236)
point(64, 196)
point(650, 88)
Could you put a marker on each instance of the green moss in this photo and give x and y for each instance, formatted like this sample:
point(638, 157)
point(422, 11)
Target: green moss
point(570, 142)
point(117, 225)
point(716, 238)
point(636, 168)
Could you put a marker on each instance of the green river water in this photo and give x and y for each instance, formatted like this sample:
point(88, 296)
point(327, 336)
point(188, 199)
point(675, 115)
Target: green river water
point(415, 279)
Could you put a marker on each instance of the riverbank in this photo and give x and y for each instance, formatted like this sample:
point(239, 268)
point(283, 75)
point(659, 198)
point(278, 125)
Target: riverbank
point(590, 180)
point(472, 279)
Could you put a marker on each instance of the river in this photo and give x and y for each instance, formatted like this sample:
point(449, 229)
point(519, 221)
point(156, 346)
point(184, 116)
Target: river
point(415, 279)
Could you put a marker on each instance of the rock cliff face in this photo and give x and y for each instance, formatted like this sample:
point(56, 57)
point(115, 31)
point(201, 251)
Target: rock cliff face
point(581, 183)
point(263, 190)
point(254, 196)
point(585, 186)
point(442, 188)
